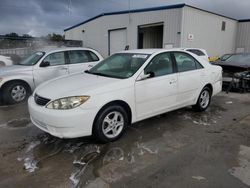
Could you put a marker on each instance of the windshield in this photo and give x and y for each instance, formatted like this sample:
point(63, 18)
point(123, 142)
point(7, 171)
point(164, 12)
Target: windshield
point(32, 59)
point(122, 65)
point(225, 57)
point(239, 58)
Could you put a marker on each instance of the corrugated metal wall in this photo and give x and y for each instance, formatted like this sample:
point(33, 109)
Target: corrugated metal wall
point(206, 30)
point(95, 33)
point(243, 36)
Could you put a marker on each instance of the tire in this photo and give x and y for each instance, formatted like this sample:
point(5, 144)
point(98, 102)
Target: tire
point(108, 125)
point(204, 100)
point(2, 64)
point(15, 92)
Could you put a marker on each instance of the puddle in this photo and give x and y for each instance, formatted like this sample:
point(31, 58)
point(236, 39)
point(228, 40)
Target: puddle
point(28, 159)
point(16, 123)
point(81, 163)
point(242, 172)
point(209, 117)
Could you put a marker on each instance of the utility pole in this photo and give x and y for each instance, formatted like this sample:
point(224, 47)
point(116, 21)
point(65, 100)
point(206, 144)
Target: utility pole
point(70, 7)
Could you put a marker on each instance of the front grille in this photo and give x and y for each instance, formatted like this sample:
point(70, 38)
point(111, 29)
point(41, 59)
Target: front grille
point(41, 100)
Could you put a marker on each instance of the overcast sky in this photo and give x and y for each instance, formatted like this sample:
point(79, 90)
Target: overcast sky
point(40, 17)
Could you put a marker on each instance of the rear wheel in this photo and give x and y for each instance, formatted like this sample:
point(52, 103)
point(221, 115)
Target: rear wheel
point(15, 92)
point(204, 100)
point(110, 124)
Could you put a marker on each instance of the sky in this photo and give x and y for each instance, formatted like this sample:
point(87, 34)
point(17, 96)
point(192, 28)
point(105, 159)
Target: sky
point(40, 17)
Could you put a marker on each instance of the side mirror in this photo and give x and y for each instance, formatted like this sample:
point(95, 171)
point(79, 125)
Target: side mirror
point(45, 64)
point(146, 76)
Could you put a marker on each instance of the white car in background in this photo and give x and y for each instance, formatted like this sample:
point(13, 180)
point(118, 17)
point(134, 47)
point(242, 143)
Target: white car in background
point(125, 88)
point(199, 52)
point(5, 61)
point(18, 81)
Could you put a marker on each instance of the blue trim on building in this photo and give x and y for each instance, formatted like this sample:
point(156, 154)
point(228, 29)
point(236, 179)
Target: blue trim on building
point(129, 11)
point(245, 20)
point(148, 10)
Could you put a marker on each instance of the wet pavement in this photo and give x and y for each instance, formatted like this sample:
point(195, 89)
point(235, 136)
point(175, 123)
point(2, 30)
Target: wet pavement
point(177, 149)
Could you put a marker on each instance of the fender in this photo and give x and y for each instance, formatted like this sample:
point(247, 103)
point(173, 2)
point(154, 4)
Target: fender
point(26, 77)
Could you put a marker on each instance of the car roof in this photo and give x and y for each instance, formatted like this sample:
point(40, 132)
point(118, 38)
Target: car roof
point(59, 49)
point(151, 51)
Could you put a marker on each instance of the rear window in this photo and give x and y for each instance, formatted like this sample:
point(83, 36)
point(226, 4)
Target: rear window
point(197, 52)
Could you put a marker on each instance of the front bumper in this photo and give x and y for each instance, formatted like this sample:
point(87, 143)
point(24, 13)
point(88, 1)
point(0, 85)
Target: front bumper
point(72, 123)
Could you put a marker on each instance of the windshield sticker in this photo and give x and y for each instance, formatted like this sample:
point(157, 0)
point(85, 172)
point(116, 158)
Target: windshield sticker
point(140, 56)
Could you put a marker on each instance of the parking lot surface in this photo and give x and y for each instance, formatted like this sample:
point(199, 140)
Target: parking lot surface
point(177, 149)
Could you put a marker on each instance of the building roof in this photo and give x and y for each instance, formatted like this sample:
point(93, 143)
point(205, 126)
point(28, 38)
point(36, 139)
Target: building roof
point(245, 20)
point(145, 10)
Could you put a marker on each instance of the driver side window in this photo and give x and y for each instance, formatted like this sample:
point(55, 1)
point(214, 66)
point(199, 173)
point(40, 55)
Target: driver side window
point(55, 59)
point(160, 65)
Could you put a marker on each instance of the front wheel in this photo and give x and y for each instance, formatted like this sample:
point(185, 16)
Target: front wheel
point(110, 124)
point(204, 100)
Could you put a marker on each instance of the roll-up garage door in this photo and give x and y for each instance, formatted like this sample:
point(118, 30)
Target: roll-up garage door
point(117, 40)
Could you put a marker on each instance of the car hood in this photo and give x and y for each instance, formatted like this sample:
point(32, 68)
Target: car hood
point(74, 85)
point(14, 69)
point(233, 66)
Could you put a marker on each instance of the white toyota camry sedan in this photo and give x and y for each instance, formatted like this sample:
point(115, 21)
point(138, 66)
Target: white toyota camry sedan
point(125, 88)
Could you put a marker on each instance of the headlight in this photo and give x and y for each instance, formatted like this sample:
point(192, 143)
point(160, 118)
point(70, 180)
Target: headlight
point(67, 103)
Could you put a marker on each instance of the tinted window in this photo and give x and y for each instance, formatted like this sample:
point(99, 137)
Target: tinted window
point(78, 57)
point(186, 63)
point(160, 65)
point(32, 59)
point(93, 56)
point(55, 59)
point(239, 58)
point(121, 65)
point(197, 52)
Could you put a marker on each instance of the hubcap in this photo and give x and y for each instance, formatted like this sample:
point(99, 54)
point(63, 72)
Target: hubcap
point(113, 124)
point(204, 99)
point(18, 93)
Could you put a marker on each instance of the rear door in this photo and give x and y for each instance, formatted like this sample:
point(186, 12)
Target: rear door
point(57, 67)
point(191, 75)
point(81, 60)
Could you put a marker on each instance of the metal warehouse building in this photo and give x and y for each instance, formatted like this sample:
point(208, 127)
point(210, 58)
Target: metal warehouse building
point(162, 27)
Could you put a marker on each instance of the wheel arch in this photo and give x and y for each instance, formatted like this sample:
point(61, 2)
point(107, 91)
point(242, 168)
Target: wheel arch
point(210, 86)
point(121, 103)
point(14, 81)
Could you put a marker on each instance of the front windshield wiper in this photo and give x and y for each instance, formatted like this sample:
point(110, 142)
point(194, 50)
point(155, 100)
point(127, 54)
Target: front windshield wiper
point(101, 74)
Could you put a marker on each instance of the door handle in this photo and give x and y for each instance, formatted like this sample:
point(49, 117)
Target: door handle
point(64, 68)
point(173, 81)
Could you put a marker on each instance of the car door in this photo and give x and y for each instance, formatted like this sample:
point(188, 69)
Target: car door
point(81, 60)
point(156, 94)
point(191, 75)
point(52, 66)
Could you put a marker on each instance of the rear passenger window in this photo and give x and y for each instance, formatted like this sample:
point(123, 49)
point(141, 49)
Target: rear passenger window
point(186, 63)
point(78, 56)
point(161, 65)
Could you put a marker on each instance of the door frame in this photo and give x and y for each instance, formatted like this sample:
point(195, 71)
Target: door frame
point(150, 25)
